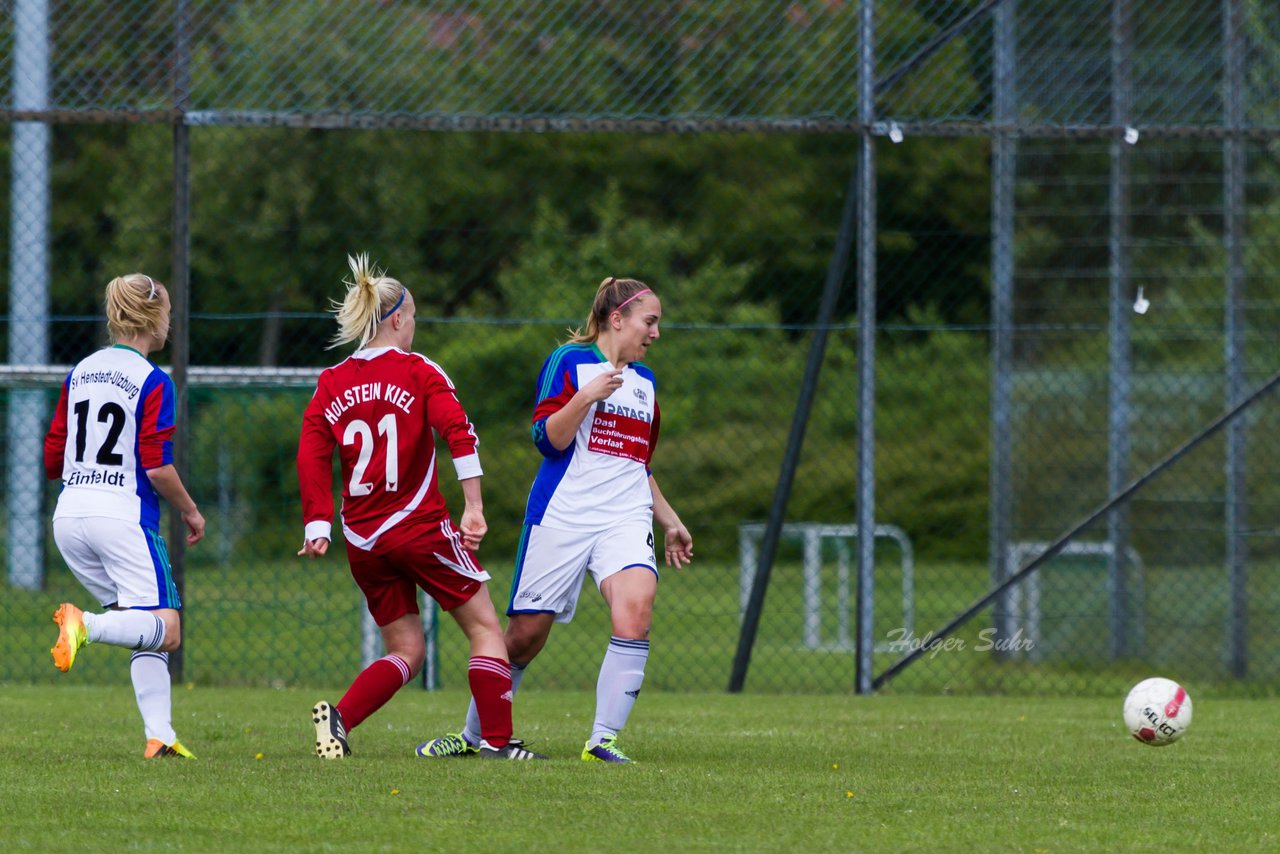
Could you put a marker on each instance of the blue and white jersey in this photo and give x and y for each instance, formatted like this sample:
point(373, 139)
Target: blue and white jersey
point(113, 422)
point(602, 478)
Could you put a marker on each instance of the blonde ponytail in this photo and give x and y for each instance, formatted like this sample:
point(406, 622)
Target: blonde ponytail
point(133, 306)
point(371, 298)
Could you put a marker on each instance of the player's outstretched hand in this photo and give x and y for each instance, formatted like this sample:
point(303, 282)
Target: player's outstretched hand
point(679, 546)
point(314, 548)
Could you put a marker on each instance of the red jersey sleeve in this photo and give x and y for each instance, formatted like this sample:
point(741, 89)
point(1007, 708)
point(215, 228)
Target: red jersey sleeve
point(653, 434)
point(155, 423)
point(560, 390)
point(446, 416)
point(55, 441)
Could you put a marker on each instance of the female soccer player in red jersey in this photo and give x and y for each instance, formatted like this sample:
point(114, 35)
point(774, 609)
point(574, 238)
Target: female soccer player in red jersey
point(592, 508)
point(110, 444)
point(378, 408)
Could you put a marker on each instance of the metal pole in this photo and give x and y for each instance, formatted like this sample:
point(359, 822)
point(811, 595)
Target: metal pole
point(1059, 544)
point(1119, 328)
point(1233, 225)
point(28, 293)
point(180, 290)
point(866, 351)
point(1003, 176)
point(431, 638)
point(800, 420)
point(795, 440)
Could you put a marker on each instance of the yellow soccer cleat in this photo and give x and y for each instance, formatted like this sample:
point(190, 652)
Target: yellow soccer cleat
point(71, 635)
point(157, 749)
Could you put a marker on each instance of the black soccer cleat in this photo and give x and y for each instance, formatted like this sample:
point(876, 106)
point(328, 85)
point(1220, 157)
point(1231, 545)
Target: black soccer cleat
point(331, 735)
point(512, 750)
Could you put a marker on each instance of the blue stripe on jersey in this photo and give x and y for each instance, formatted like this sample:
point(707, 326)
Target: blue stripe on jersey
point(549, 384)
point(555, 463)
point(549, 380)
point(164, 570)
point(515, 579)
point(550, 473)
point(647, 372)
point(149, 502)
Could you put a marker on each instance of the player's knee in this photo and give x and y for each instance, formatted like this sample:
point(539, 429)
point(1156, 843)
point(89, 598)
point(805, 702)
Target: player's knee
point(525, 639)
point(523, 650)
point(172, 636)
point(633, 622)
point(631, 631)
point(415, 660)
point(412, 651)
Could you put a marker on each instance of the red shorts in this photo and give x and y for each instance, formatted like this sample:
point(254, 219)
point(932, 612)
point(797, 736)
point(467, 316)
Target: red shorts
point(428, 555)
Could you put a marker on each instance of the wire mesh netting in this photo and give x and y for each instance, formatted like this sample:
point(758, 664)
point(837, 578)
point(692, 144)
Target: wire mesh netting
point(1074, 262)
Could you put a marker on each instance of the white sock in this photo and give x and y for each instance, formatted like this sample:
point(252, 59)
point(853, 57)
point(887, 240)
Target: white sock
point(150, 673)
point(132, 629)
point(471, 730)
point(621, 675)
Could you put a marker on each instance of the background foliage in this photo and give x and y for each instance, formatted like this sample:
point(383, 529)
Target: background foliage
point(501, 161)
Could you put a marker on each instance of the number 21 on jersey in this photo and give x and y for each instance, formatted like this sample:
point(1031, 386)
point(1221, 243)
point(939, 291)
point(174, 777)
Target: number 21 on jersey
point(360, 434)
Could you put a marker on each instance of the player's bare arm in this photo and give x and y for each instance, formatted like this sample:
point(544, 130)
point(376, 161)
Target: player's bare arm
point(678, 541)
point(472, 525)
point(166, 481)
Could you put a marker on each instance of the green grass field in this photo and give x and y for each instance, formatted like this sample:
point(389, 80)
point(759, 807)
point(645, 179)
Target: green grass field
point(715, 772)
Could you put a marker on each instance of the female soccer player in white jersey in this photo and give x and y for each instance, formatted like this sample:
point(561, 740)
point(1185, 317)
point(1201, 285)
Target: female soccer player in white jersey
point(592, 508)
point(112, 426)
point(378, 408)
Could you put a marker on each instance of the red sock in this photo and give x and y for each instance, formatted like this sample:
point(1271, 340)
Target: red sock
point(490, 680)
point(375, 685)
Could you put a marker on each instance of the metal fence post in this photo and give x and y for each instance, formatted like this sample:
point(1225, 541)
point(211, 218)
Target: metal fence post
point(29, 301)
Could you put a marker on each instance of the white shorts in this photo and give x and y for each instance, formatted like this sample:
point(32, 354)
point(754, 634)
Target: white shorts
point(551, 564)
point(118, 563)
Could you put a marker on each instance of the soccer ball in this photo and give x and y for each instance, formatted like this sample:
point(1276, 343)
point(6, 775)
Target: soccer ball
point(1157, 711)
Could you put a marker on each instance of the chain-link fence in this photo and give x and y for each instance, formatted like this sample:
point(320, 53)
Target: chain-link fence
point(1015, 252)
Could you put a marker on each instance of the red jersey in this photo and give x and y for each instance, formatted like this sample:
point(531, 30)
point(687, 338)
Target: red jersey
point(379, 408)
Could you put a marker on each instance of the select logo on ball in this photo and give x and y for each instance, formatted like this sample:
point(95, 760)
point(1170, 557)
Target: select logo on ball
point(1157, 711)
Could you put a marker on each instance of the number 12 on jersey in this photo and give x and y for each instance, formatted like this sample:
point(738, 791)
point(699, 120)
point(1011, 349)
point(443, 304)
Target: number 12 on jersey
point(107, 454)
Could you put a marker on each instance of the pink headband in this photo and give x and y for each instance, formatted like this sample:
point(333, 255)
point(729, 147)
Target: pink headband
point(633, 296)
